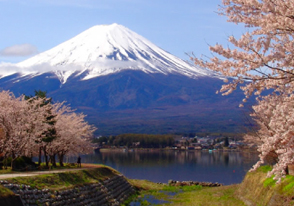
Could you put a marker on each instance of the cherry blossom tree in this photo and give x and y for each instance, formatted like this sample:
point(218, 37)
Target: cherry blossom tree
point(261, 59)
point(22, 124)
point(274, 115)
point(29, 125)
point(73, 133)
point(49, 134)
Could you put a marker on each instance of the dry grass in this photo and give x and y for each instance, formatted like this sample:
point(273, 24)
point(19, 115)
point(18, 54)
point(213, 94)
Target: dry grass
point(4, 192)
point(145, 185)
point(67, 179)
point(257, 189)
point(217, 196)
point(188, 195)
point(88, 165)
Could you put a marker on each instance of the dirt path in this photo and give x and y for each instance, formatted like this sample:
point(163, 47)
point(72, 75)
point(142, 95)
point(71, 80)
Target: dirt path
point(34, 173)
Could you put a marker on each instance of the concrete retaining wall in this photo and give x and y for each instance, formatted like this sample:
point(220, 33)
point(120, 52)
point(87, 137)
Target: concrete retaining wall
point(111, 191)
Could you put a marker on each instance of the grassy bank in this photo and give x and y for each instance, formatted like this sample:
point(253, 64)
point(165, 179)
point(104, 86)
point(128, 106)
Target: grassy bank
point(4, 192)
point(57, 181)
point(256, 189)
point(186, 195)
point(64, 180)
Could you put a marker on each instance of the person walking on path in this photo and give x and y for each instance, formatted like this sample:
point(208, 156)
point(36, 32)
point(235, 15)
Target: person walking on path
point(79, 162)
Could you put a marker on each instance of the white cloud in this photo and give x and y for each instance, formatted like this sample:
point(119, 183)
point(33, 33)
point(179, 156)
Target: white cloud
point(8, 69)
point(62, 72)
point(19, 50)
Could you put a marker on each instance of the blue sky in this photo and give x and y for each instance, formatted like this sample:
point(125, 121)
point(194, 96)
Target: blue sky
point(32, 26)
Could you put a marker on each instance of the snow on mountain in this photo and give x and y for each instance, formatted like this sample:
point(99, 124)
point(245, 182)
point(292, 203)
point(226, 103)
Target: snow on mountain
point(103, 50)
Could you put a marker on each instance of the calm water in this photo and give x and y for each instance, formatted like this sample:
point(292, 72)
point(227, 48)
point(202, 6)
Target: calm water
point(161, 166)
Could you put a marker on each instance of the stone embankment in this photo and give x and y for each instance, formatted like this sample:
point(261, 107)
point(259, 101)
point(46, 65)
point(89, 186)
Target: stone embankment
point(190, 183)
point(112, 191)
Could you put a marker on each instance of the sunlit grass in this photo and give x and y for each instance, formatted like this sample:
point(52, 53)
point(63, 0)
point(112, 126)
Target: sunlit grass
point(43, 167)
point(258, 189)
point(4, 192)
point(66, 179)
point(145, 185)
point(288, 187)
point(187, 195)
point(224, 195)
point(6, 171)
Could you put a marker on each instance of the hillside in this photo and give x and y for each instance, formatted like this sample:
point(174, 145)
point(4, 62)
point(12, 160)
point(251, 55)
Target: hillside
point(135, 102)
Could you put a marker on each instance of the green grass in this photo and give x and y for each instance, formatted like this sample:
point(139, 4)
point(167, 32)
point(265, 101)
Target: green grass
point(269, 182)
point(258, 189)
point(187, 195)
point(64, 180)
point(288, 186)
point(191, 188)
point(264, 169)
point(4, 192)
point(42, 167)
point(6, 171)
point(224, 195)
point(60, 181)
point(168, 188)
point(145, 185)
point(58, 167)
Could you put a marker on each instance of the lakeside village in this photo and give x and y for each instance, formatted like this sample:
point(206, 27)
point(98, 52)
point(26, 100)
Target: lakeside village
point(175, 142)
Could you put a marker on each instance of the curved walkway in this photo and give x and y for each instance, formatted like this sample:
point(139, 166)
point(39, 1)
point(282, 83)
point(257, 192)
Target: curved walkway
point(34, 173)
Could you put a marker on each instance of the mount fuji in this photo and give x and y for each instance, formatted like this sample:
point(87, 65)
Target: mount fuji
point(103, 50)
point(125, 83)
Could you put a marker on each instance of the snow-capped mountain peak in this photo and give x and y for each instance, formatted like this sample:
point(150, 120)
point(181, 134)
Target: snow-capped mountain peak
point(106, 49)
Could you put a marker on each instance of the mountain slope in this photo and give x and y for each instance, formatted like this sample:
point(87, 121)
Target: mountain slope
point(135, 102)
point(126, 84)
point(107, 49)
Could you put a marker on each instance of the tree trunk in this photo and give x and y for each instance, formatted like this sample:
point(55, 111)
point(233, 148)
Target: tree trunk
point(40, 156)
point(5, 162)
point(46, 157)
point(12, 160)
point(52, 160)
point(60, 157)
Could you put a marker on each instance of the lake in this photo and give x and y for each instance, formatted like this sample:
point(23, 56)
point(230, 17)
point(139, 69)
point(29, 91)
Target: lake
point(226, 167)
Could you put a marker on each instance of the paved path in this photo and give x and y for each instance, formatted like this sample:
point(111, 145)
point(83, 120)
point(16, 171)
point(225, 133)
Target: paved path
point(34, 173)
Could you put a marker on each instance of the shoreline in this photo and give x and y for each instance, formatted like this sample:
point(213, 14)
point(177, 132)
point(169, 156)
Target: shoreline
point(169, 149)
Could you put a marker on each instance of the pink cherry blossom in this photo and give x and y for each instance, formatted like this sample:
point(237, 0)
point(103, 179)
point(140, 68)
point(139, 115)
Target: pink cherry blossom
point(23, 128)
point(262, 59)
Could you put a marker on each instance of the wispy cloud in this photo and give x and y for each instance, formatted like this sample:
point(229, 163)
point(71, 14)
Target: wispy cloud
point(8, 69)
point(19, 50)
point(95, 66)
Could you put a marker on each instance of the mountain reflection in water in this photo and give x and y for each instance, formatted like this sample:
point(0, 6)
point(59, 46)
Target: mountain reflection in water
point(226, 167)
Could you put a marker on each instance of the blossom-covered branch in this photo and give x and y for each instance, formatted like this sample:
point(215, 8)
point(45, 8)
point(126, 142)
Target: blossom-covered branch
point(262, 59)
